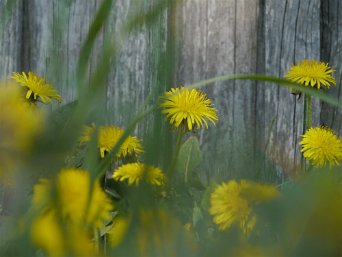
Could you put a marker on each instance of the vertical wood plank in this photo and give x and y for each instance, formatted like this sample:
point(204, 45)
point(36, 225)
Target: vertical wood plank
point(331, 52)
point(55, 32)
point(10, 39)
point(212, 43)
point(291, 34)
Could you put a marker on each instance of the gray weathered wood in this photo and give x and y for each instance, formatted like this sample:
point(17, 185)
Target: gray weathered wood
point(212, 38)
point(331, 52)
point(291, 33)
point(10, 39)
point(213, 43)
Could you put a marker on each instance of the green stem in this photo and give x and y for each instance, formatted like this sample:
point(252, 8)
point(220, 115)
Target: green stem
point(97, 240)
point(178, 146)
point(306, 123)
point(308, 112)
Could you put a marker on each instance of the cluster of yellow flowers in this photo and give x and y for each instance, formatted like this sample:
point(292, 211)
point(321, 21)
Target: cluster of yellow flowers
point(73, 205)
point(320, 145)
point(77, 206)
point(19, 124)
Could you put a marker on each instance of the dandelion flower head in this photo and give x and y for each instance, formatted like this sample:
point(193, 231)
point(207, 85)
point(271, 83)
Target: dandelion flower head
point(189, 108)
point(107, 139)
point(134, 172)
point(48, 234)
point(232, 203)
point(73, 186)
point(118, 230)
point(311, 73)
point(321, 146)
point(19, 124)
point(37, 87)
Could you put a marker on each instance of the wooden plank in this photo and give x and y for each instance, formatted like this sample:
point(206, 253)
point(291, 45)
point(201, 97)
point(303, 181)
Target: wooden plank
point(331, 52)
point(213, 43)
point(10, 39)
point(291, 34)
point(58, 30)
point(54, 33)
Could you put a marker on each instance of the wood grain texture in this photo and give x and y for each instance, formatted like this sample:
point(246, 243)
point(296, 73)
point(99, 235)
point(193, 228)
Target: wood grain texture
point(331, 52)
point(213, 42)
point(55, 38)
point(258, 122)
point(291, 33)
point(10, 39)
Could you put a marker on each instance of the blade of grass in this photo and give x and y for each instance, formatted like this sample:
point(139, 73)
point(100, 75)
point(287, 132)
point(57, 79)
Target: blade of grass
point(282, 82)
point(99, 20)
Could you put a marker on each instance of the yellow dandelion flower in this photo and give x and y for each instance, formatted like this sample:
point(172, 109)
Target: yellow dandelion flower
point(321, 146)
point(311, 73)
point(110, 135)
point(37, 87)
point(134, 172)
point(107, 139)
point(41, 193)
point(118, 230)
point(73, 186)
point(231, 203)
point(189, 108)
point(73, 190)
point(48, 234)
point(87, 132)
point(19, 124)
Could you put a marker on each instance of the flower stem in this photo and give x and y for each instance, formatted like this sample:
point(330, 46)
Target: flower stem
point(97, 240)
point(308, 111)
point(306, 123)
point(178, 146)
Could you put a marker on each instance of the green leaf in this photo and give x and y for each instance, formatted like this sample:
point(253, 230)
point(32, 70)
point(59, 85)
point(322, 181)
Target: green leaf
point(189, 157)
point(197, 215)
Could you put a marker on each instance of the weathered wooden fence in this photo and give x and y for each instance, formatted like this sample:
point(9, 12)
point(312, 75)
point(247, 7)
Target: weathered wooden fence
point(260, 124)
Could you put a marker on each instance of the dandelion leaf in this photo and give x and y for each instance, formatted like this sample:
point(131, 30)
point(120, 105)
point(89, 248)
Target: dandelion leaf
point(189, 157)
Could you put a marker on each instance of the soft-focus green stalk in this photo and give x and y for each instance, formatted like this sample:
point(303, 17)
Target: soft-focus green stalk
point(281, 82)
point(306, 124)
point(180, 136)
point(308, 112)
point(97, 240)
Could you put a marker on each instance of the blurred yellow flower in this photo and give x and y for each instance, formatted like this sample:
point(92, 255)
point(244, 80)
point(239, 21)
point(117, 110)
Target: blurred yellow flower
point(73, 186)
point(321, 146)
point(48, 234)
point(41, 194)
point(188, 108)
point(311, 73)
point(107, 139)
point(231, 203)
point(19, 124)
point(110, 135)
point(250, 251)
point(87, 133)
point(134, 172)
point(37, 87)
point(118, 230)
point(160, 234)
